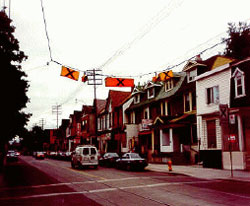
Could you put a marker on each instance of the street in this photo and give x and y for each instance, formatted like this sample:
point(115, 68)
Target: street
point(54, 182)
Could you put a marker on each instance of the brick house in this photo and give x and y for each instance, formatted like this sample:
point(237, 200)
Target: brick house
point(109, 121)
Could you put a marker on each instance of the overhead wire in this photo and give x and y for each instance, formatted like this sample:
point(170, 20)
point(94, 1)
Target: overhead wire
point(46, 30)
point(162, 14)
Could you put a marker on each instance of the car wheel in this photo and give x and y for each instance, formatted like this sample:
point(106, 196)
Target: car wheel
point(79, 165)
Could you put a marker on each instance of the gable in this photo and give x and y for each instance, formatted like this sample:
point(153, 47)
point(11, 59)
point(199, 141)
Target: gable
point(219, 61)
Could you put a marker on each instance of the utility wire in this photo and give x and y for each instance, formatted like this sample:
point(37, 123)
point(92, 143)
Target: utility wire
point(162, 14)
point(46, 30)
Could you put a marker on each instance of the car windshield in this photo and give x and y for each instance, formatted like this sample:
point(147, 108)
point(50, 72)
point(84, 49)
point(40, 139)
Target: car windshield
point(134, 155)
point(113, 155)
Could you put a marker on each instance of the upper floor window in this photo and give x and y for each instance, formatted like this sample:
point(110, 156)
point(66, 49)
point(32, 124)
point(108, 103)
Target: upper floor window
point(187, 102)
point(239, 82)
point(191, 75)
point(169, 84)
point(151, 92)
point(137, 98)
point(213, 95)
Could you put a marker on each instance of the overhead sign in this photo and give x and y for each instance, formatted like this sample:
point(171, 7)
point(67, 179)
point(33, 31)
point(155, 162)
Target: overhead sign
point(70, 73)
point(163, 76)
point(119, 82)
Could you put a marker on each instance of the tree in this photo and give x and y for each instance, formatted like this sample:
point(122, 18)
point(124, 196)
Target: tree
point(238, 43)
point(14, 86)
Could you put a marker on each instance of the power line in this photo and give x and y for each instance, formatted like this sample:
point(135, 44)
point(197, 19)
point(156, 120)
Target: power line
point(46, 30)
point(162, 14)
point(57, 109)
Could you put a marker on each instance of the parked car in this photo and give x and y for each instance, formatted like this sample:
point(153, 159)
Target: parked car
point(131, 161)
point(40, 155)
point(108, 159)
point(84, 155)
point(12, 156)
point(68, 155)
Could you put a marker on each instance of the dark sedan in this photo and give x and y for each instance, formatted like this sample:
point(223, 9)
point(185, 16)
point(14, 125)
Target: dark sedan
point(131, 161)
point(108, 159)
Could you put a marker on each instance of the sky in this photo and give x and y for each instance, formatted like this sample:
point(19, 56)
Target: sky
point(123, 38)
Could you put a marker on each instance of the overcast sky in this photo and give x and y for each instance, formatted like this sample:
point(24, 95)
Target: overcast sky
point(122, 37)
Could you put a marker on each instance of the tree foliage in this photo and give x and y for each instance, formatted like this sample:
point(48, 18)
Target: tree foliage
point(14, 85)
point(238, 43)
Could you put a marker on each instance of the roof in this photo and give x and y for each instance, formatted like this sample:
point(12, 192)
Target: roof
point(217, 61)
point(117, 97)
point(162, 93)
point(100, 105)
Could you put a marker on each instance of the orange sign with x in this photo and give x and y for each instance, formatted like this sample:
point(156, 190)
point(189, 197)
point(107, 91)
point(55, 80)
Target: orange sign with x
point(119, 82)
point(70, 73)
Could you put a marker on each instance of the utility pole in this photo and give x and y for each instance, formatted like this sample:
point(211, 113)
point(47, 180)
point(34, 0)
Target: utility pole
point(42, 122)
point(94, 78)
point(57, 109)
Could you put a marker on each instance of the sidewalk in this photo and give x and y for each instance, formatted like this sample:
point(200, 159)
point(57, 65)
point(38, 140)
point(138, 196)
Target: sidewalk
point(200, 172)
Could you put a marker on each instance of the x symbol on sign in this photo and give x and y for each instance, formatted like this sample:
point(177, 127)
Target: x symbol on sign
point(120, 82)
point(70, 73)
point(167, 74)
point(223, 112)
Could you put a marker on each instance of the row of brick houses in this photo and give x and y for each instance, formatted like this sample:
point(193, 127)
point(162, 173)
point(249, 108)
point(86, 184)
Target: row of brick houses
point(199, 114)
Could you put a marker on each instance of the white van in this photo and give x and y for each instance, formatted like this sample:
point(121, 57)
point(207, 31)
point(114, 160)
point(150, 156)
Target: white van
point(84, 155)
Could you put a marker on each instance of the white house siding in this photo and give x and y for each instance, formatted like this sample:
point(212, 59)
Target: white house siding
point(221, 79)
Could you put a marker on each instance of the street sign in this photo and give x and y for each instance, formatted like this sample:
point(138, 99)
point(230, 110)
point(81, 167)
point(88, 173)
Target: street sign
point(232, 138)
point(119, 82)
point(223, 113)
point(232, 118)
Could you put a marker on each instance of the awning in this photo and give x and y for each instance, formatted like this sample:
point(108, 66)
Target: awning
point(184, 116)
point(145, 132)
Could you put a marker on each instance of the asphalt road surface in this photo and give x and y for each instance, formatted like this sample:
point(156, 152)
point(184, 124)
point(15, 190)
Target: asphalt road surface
point(53, 182)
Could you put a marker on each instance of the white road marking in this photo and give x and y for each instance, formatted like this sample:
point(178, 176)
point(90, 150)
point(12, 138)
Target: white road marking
point(110, 189)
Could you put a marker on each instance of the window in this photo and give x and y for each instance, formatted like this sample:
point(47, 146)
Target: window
point(191, 75)
point(93, 151)
point(211, 134)
point(99, 123)
point(165, 138)
point(213, 95)
point(169, 85)
point(137, 99)
point(187, 102)
point(151, 93)
point(239, 82)
point(193, 100)
point(85, 151)
point(132, 117)
point(146, 113)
